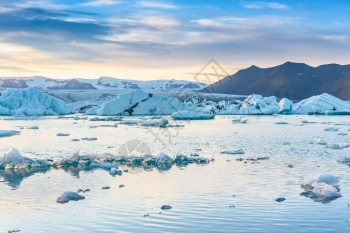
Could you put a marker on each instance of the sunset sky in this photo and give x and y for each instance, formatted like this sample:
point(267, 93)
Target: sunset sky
point(167, 39)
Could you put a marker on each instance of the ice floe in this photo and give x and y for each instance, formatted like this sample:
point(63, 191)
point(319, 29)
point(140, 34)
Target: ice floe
point(8, 133)
point(162, 122)
point(323, 188)
point(69, 196)
point(233, 152)
point(30, 102)
point(62, 134)
point(192, 115)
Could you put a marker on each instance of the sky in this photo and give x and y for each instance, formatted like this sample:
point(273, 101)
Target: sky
point(147, 40)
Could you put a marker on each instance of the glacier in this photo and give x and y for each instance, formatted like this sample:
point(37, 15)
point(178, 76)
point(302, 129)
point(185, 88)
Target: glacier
point(30, 102)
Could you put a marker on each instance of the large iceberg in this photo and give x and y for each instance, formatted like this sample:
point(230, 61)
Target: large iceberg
point(30, 102)
point(139, 102)
point(321, 104)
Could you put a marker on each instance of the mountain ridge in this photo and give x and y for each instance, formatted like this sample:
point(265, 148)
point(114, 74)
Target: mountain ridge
point(103, 83)
point(291, 80)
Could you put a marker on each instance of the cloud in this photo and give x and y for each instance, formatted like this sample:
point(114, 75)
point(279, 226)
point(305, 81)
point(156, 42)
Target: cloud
point(152, 4)
point(101, 3)
point(16, 69)
point(40, 22)
point(263, 5)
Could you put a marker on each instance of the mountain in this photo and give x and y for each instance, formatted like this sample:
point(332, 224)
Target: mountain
point(103, 83)
point(295, 81)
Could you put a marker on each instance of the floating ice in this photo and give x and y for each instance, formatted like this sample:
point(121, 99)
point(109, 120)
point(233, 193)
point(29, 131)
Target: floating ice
point(69, 196)
point(281, 123)
point(166, 207)
point(89, 139)
point(164, 160)
point(191, 115)
point(62, 134)
point(233, 152)
point(324, 188)
point(338, 145)
point(8, 133)
point(162, 122)
point(14, 160)
point(239, 121)
point(320, 142)
point(331, 129)
point(30, 102)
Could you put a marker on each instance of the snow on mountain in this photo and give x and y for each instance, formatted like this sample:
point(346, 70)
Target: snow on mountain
point(30, 102)
point(103, 83)
point(139, 102)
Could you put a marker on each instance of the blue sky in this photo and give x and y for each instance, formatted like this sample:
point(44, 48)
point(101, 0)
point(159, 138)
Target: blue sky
point(142, 39)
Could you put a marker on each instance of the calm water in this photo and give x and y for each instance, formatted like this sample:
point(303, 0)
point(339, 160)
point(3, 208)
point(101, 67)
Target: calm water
point(201, 195)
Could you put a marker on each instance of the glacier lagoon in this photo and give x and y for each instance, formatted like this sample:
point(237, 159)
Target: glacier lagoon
point(230, 193)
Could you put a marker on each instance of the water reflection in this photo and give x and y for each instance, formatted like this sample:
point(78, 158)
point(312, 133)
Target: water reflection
point(14, 177)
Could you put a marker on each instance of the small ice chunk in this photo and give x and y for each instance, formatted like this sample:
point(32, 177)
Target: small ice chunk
point(320, 142)
point(62, 134)
point(115, 171)
point(129, 122)
point(192, 115)
point(281, 123)
point(89, 139)
point(106, 187)
point(234, 152)
point(166, 207)
point(164, 159)
point(331, 129)
point(33, 127)
point(162, 122)
point(69, 196)
point(280, 199)
point(105, 166)
point(333, 146)
point(8, 133)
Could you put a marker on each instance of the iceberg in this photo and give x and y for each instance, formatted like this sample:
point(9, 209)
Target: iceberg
point(192, 115)
point(285, 105)
point(321, 104)
point(30, 102)
point(139, 102)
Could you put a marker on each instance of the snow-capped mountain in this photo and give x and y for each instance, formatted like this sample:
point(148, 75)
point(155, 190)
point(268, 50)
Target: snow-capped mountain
point(103, 83)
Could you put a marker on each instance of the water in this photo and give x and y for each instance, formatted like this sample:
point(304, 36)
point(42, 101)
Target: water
point(223, 196)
